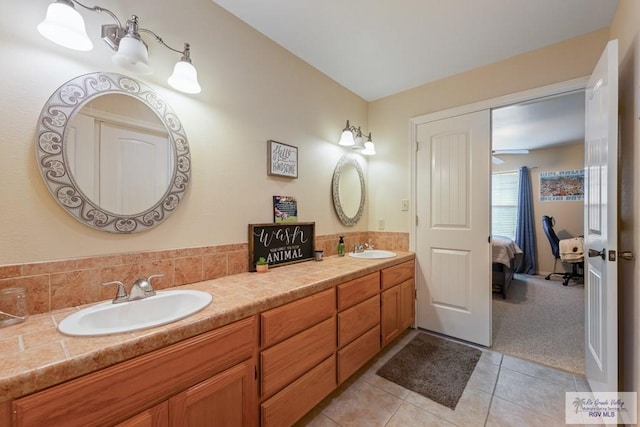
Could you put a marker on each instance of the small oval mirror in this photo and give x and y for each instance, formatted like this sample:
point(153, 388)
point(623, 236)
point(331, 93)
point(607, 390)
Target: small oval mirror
point(348, 190)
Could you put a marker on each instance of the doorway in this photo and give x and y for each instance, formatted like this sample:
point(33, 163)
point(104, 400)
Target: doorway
point(418, 243)
point(536, 319)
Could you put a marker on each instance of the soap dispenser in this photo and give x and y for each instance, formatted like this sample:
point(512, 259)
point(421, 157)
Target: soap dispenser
point(341, 246)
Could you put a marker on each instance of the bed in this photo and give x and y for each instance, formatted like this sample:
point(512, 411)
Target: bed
point(506, 257)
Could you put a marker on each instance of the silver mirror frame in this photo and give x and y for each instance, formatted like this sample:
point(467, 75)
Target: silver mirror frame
point(56, 114)
point(335, 190)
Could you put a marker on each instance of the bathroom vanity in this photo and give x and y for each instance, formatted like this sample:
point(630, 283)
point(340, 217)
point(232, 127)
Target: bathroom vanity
point(266, 351)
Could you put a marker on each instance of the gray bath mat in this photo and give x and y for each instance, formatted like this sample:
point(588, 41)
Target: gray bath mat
point(433, 367)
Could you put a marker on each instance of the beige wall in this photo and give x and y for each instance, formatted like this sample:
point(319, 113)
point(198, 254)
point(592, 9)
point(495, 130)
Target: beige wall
point(568, 214)
point(389, 117)
point(625, 28)
point(253, 90)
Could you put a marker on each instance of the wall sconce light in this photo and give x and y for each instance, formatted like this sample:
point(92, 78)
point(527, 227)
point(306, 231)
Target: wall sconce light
point(64, 26)
point(352, 137)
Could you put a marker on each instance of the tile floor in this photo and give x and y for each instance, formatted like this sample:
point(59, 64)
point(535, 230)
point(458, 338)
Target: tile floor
point(502, 391)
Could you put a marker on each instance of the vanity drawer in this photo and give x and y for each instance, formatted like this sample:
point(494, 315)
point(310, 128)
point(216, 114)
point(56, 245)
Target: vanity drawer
point(283, 322)
point(354, 321)
point(392, 276)
point(357, 290)
point(288, 406)
point(355, 355)
point(285, 362)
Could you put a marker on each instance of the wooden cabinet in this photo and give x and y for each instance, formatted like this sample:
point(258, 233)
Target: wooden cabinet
point(297, 359)
point(216, 367)
point(226, 399)
point(397, 300)
point(289, 405)
point(158, 416)
point(300, 352)
point(358, 323)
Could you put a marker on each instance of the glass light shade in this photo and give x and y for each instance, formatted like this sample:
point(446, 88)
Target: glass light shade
point(369, 148)
point(132, 55)
point(64, 26)
point(346, 139)
point(184, 78)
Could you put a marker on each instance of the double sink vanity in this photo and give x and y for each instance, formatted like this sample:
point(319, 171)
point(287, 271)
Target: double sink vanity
point(241, 350)
point(264, 351)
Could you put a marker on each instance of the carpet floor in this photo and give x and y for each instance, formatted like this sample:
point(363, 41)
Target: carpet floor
point(542, 321)
point(434, 367)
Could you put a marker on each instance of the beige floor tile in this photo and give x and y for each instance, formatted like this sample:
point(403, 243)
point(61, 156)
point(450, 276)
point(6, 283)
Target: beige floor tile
point(384, 384)
point(492, 357)
point(582, 385)
point(471, 410)
point(506, 414)
point(539, 371)
point(317, 420)
point(409, 415)
point(484, 377)
point(533, 393)
point(362, 404)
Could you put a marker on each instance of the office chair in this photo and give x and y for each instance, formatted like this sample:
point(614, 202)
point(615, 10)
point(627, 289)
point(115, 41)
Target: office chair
point(576, 259)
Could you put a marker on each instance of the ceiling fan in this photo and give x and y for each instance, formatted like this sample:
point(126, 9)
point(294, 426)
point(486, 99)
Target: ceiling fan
point(497, 160)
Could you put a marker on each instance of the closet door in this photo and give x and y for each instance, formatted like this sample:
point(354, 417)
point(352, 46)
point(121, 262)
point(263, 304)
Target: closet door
point(452, 234)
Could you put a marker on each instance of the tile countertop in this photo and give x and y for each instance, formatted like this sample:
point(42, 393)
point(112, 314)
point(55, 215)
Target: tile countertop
point(34, 355)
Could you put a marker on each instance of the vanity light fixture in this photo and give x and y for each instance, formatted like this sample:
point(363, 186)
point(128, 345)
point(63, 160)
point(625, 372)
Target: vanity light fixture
point(64, 25)
point(352, 137)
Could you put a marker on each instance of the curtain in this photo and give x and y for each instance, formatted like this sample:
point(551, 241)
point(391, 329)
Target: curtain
point(525, 224)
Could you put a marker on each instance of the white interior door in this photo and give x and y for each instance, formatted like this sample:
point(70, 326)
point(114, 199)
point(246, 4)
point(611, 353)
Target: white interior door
point(134, 169)
point(452, 206)
point(601, 227)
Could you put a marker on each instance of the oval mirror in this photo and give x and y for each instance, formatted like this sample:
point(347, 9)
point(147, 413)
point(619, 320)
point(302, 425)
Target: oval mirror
point(113, 153)
point(348, 190)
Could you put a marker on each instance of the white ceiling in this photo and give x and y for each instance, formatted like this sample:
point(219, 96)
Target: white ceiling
point(378, 48)
point(542, 123)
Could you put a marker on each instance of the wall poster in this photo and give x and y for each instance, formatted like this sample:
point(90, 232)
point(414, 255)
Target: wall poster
point(562, 186)
point(282, 159)
point(285, 209)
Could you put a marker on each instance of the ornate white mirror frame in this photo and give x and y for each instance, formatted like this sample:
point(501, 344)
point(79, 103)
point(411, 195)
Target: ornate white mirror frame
point(53, 162)
point(344, 162)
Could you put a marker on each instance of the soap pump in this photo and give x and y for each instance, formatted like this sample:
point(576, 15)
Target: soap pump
point(341, 246)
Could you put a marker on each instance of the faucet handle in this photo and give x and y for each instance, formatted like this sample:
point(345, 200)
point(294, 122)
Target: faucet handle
point(121, 295)
point(153, 276)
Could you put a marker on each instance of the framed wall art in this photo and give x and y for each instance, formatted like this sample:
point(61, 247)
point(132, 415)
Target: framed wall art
point(282, 159)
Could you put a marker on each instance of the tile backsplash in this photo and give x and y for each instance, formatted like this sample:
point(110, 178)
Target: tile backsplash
point(52, 285)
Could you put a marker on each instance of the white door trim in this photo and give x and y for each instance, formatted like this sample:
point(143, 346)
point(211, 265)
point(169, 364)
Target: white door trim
point(527, 95)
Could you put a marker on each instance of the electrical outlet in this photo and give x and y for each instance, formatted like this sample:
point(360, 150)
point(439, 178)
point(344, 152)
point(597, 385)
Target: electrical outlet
point(405, 205)
point(381, 224)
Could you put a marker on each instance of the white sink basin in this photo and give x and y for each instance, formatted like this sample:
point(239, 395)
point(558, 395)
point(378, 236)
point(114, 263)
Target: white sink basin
point(372, 254)
point(108, 318)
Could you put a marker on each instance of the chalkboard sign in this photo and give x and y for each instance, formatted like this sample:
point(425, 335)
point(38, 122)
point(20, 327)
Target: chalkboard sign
point(281, 243)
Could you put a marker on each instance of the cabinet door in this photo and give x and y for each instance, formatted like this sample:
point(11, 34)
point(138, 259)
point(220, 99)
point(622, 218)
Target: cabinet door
point(390, 314)
point(227, 399)
point(158, 416)
point(407, 304)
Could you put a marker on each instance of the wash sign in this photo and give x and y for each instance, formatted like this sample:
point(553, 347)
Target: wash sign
point(281, 243)
point(562, 186)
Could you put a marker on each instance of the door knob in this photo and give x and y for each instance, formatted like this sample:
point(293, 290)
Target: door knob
point(628, 255)
point(594, 253)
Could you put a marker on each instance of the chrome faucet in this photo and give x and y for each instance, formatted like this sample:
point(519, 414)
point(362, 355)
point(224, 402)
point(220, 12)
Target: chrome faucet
point(140, 289)
point(361, 247)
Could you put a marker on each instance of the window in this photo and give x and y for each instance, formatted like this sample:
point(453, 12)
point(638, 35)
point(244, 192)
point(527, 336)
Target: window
point(504, 203)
